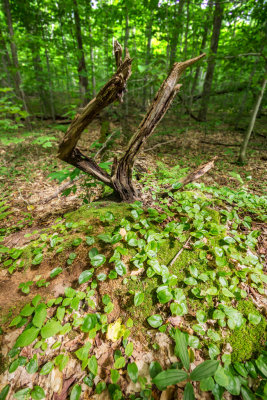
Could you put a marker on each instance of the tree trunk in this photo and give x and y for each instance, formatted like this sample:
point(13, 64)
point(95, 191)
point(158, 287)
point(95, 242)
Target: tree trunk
point(92, 59)
point(82, 72)
point(175, 33)
point(202, 48)
point(148, 56)
point(6, 62)
point(17, 78)
point(121, 177)
point(217, 22)
point(243, 149)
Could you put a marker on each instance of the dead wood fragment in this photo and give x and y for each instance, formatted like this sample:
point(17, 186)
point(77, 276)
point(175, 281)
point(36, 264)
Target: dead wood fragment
point(185, 246)
point(121, 178)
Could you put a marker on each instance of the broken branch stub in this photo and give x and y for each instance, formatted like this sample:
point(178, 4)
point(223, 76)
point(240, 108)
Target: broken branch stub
point(121, 177)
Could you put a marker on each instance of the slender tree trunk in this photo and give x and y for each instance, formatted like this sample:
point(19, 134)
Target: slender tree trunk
point(243, 149)
point(82, 72)
point(65, 52)
point(175, 32)
point(202, 48)
point(17, 78)
point(6, 62)
point(217, 22)
point(148, 56)
point(126, 39)
point(92, 59)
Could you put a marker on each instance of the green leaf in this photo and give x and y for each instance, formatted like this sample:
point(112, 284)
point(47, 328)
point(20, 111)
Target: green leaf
point(23, 394)
point(119, 363)
point(254, 319)
point(155, 321)
point(193, 341)
point(4, 392)
point(261, 363)
point(89, 322)
point(76, 392)
point(32, 365)
point(27, 337)
point(213, 335)
point(132, 371)
point(55, 272)
point(61, 361)
point(60, 313)
point(115, 376)
point(69, 292)
point(51, 328)
point(206, 385)
point(17, 363)
point(120, 268)
point(92, 365)
point(164, 294)
point(214, 351)
point(47, 368)
point(138, 298)
point(98, 260)
point(15, 321)
point(76, 242)
point(181, 348)
point(27, 310)
point(199, 329)
point(247, 393)
point(129, 349)
point(169, 377)
point(226, 292)
point(89, 240)
point(100, 387)
point(190, 281)
point(241, 369)
point(39, 315)
point(201, 316)
point(221, 377)
point(36, 300)
point(83, 352)
point(38, 393)
point(189, 392)
point(154, 369)
point(85, 276)
point(204, 370)
point(37, 259)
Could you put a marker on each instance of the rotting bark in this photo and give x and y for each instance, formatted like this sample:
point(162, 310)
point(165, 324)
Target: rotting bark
point(121, 177)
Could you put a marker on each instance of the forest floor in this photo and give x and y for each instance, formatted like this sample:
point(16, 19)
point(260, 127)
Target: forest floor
point(30, 207)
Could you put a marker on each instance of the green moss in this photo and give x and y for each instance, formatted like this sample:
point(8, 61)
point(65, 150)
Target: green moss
point(248, 341)
point(96, 210)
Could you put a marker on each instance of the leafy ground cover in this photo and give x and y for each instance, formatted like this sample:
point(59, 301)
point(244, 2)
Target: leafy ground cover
point(130, 301)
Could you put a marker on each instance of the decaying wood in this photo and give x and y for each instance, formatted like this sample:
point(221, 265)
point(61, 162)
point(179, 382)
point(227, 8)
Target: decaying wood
point(121, 177)
point(200, 171)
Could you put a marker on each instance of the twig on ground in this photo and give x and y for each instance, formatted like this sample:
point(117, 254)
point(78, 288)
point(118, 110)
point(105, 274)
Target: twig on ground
point(159, 144)
point(180, 251)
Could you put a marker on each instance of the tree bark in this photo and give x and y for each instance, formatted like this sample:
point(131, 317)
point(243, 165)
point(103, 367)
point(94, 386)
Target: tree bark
point(243, 149)
point(17, 77)
point(121, 177)
point(217, 22)
point(202, 48)
point(82, 71)
point(148, 56)
point(176, 31)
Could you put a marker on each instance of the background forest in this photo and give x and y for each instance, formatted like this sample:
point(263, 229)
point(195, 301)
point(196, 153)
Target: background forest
point(164, 296)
